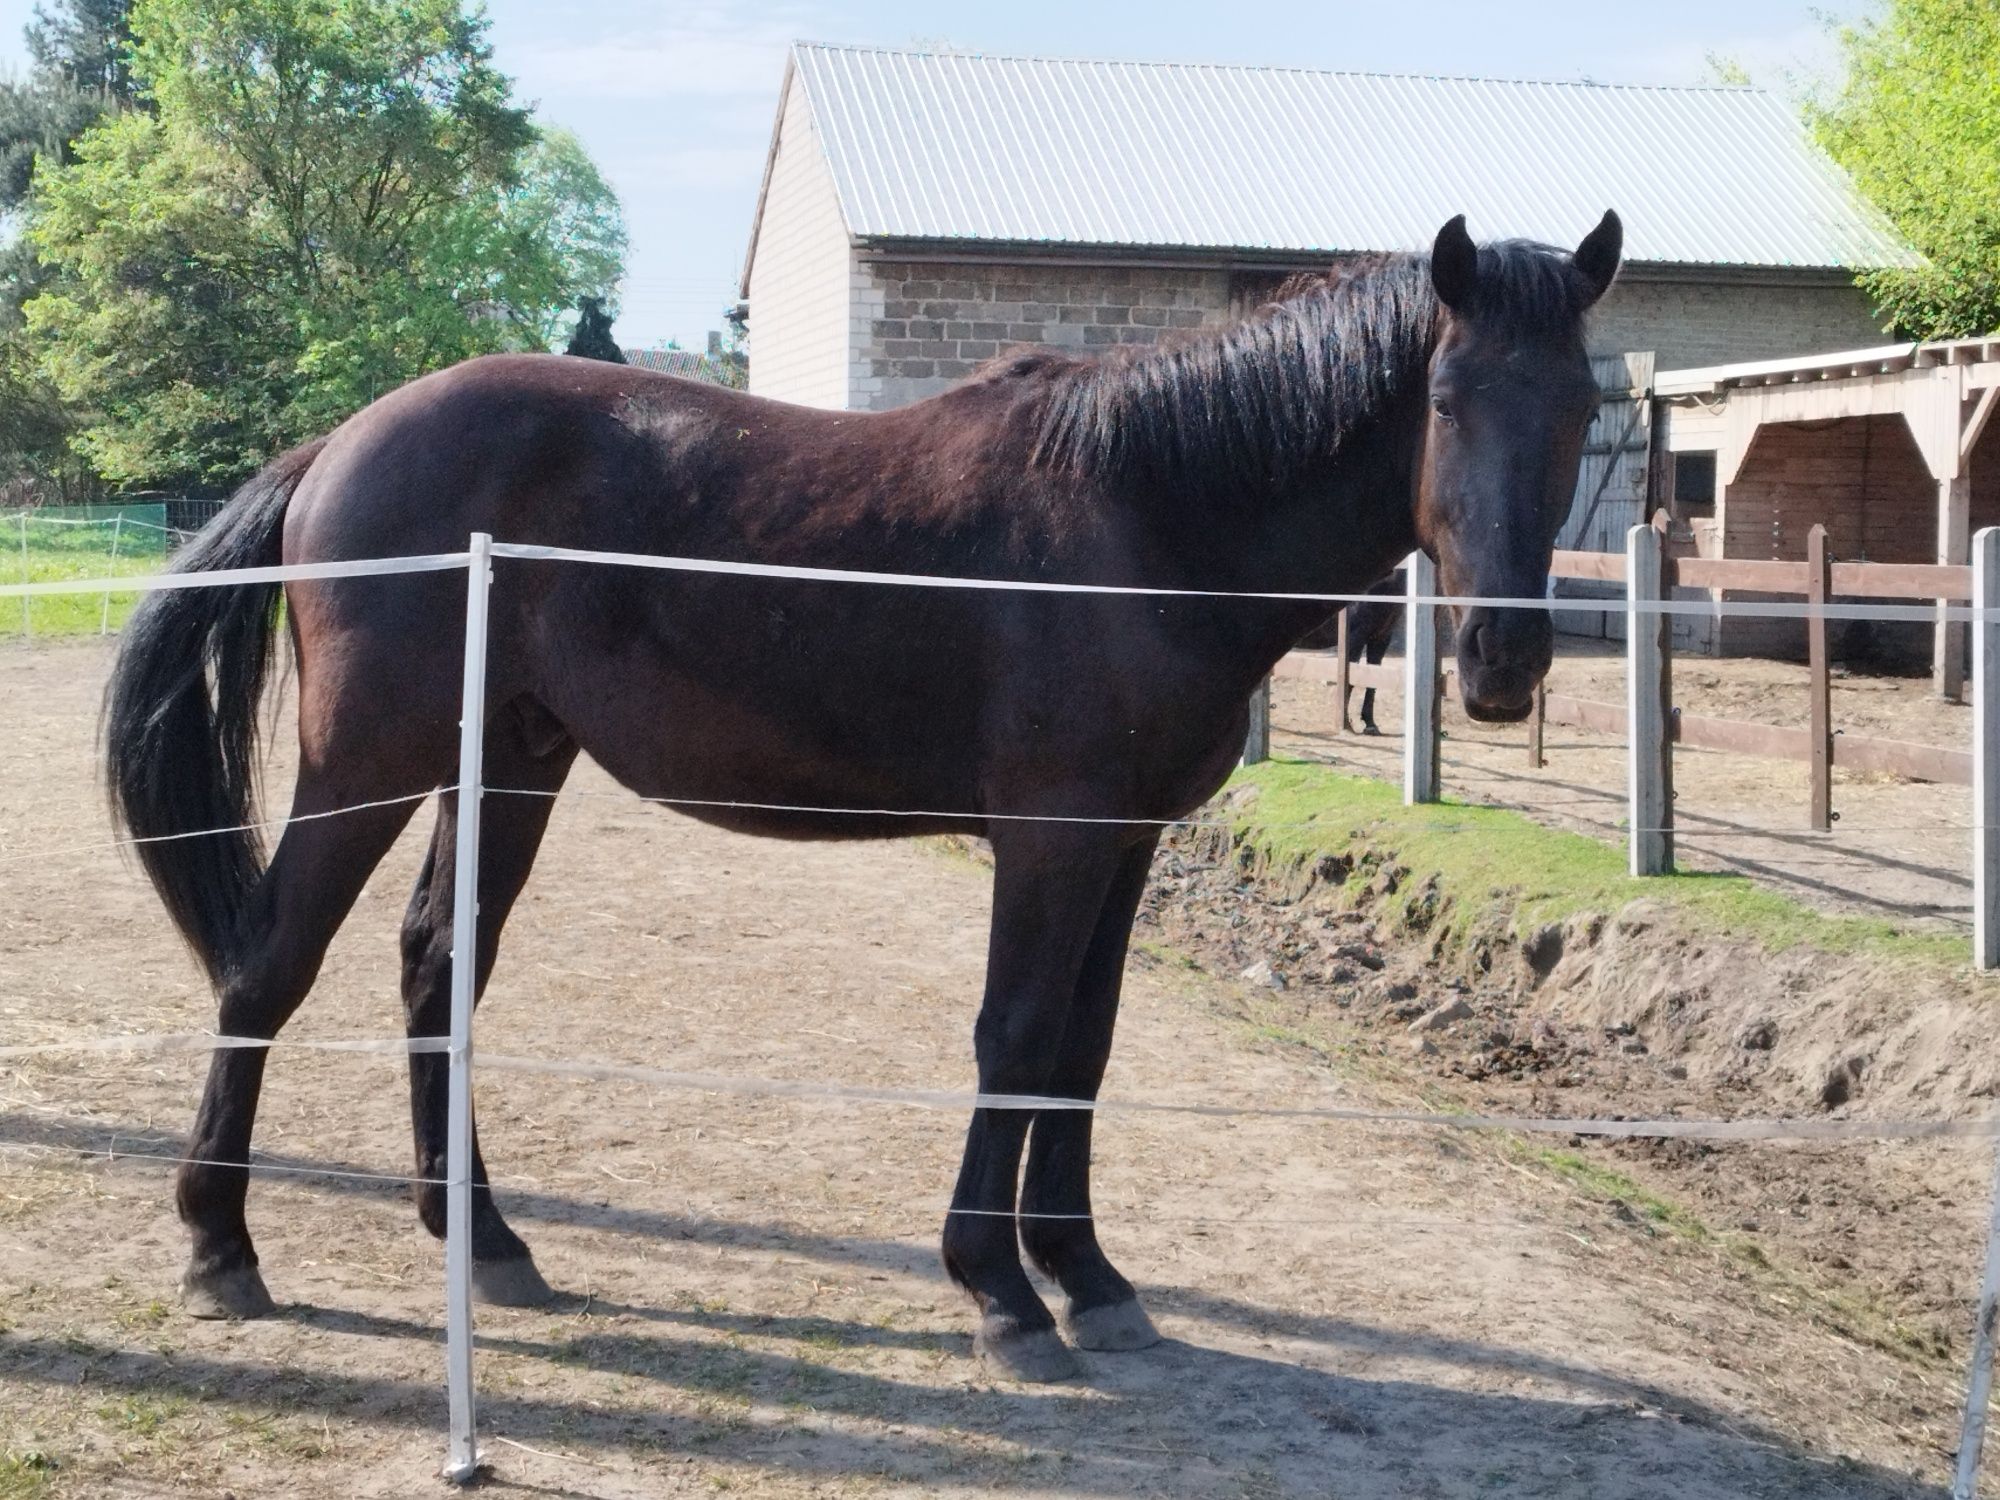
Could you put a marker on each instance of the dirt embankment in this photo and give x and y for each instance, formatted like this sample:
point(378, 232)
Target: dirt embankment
point(1632, 1014)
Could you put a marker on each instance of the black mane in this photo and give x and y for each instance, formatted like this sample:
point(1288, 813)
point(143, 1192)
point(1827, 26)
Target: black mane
point(1253, 407)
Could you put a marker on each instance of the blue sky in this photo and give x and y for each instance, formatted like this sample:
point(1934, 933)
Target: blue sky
point(675, 97)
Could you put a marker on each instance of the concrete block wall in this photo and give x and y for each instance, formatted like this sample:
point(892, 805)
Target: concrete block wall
point(1691, 324)
point(920, 327)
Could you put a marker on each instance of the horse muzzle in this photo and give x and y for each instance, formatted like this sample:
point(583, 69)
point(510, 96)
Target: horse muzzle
point(1503, 655)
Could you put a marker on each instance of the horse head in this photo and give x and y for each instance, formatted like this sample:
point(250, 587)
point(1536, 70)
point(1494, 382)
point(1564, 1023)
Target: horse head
point(1511, 397)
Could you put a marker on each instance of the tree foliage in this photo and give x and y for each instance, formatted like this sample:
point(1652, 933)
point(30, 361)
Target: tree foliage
point(1917, 124)
point(325, 198)
point(85, 44)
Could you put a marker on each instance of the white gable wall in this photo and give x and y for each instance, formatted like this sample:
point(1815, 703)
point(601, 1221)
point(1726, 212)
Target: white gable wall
point(800, 322)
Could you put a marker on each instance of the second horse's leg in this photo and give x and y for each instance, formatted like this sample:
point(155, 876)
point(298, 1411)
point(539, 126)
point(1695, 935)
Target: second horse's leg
point(1103, 1311)
point(511, 827)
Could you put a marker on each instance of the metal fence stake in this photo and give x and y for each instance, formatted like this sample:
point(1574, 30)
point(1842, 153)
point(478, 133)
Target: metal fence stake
point(1985, 751)
point(117, 530)
point(1421, 781)
point(462, 1455)
point(1647, 746)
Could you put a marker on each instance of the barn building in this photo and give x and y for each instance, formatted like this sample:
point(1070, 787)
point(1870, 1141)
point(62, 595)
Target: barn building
point(922, 211)
point(1893, 449)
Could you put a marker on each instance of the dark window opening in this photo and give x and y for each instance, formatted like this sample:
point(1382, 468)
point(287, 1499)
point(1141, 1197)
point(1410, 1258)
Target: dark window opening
point(1694, 484)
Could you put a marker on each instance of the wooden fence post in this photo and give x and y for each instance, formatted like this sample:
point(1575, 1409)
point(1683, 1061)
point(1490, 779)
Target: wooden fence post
point(1421, 781)
point(1819, 584)
point(1257, 744)
point(1986, 751)
point(1340, 682)
point(1536, 723)
point(1648, 690)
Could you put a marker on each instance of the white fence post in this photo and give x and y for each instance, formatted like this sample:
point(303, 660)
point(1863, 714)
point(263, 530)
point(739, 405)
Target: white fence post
point(27, 629)
point(1979, 1384)
point(462, 1454)
point(1646, 728)
point(1985, 751)
point(1257, 742)
point(1421, 781)
point(117, 530)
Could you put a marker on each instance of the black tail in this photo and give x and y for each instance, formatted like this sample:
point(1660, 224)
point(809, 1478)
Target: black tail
point(180, 722)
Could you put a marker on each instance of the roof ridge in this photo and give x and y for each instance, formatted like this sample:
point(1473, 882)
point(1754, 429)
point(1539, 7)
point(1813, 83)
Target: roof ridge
point(980, 55)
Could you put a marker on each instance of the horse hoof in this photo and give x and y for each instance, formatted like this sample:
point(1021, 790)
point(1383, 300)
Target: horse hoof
point(1037, 1356)
point(240, 1293)
point(1371, 729)
point(1116, 1328)
point(510, 1283)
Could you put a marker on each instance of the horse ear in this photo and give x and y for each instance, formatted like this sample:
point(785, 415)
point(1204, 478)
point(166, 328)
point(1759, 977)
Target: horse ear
point(1597, 257)
point(1455, 265)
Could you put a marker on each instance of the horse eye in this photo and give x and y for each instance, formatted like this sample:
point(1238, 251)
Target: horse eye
point(1443, 410)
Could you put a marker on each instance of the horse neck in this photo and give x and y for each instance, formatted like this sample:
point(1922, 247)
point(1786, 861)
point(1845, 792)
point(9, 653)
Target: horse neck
point(1335, 527)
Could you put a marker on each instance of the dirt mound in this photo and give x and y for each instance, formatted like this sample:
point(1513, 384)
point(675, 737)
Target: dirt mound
point(1632, 1015)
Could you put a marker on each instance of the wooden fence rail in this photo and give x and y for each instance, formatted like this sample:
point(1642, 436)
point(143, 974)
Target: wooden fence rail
point(1819, 744)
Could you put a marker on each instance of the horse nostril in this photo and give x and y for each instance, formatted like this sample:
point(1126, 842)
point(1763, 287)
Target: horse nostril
point(1486, 642)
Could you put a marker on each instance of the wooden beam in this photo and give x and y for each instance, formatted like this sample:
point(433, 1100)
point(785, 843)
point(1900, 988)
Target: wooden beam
point(1343, 681)
point(1954, 522)
point(1976, 423)
point(1878, 757)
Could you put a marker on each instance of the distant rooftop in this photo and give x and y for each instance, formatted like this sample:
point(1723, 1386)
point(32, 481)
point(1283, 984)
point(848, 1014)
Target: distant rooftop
point(1022, 150)
point(1841, 364)
point(689, 364)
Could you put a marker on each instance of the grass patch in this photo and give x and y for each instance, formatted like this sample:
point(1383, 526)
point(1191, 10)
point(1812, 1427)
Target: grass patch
point(65, 548)
point(26, 1473)
point(1496, 863)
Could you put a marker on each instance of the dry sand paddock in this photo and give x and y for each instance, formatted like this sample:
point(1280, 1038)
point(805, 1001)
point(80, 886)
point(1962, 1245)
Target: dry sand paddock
point(753, 1298)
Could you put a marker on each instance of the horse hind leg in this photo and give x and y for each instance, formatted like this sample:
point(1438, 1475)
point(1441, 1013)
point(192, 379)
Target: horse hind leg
point(511, 828)
point(313, 879)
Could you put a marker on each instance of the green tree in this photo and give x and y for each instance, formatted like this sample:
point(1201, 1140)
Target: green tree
point(1917, 124)
point(86, 44)
point(326, 199)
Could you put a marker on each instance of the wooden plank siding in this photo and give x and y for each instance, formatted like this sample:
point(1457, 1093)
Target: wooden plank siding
point(1863, 478)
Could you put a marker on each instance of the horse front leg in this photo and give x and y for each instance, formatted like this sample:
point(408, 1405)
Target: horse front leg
point(1057, 1227)
point(1049, 885)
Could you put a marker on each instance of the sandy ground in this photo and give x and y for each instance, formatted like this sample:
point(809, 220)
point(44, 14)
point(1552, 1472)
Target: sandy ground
point(754, 1300)
point(1898, 849)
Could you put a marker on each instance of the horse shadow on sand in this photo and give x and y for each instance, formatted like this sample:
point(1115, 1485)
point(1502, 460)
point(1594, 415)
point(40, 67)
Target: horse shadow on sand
point(1180, 1419)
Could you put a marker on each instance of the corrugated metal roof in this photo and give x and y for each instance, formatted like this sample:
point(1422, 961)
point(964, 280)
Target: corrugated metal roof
point(948, 146)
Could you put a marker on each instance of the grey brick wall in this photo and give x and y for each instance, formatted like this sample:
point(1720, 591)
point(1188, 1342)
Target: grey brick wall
point(917, 327)
point(1689, 324)
point(921, 327)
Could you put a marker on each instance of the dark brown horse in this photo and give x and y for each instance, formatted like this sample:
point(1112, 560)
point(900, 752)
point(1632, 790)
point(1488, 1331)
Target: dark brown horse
point(1435, 401)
